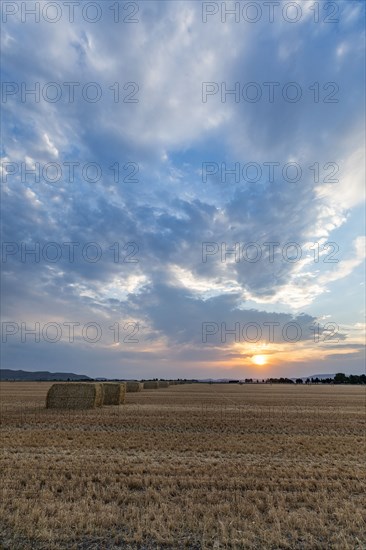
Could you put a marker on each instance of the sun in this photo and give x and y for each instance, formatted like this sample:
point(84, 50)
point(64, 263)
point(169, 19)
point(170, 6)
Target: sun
point(259, 359)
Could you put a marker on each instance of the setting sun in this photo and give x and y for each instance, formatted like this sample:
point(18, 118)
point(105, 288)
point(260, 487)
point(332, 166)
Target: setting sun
point(259, 359)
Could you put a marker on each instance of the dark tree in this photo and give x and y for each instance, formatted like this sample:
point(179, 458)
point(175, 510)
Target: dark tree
point(340, 378)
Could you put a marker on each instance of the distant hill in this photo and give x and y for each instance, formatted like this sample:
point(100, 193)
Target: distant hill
point(320, 376)
point(22, 375)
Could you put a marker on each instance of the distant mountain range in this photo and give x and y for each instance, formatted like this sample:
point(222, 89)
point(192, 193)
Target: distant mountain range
point(22, 375)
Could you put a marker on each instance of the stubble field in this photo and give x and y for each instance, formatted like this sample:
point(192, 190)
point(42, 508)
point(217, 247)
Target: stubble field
point(192, 466)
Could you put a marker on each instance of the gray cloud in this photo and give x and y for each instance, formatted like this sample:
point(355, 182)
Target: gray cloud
point(170, 212)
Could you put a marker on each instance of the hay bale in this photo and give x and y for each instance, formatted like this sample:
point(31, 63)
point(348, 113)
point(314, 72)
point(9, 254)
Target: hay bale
point(74, 395)
point(114, 393)
point(151, 385)
point(163, 384)
point(132, 386)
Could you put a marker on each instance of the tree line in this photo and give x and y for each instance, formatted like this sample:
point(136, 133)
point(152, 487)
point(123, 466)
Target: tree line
point(339, 378)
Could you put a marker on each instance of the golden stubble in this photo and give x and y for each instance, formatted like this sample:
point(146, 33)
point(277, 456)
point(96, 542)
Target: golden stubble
point(197, 466)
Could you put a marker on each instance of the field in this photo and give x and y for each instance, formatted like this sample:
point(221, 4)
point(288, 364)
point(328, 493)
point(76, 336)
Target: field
point(191, 466)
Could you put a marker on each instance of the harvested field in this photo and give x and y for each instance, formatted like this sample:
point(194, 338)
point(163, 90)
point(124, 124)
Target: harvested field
point(114, 393)
point(75, 395)
point(200, 466)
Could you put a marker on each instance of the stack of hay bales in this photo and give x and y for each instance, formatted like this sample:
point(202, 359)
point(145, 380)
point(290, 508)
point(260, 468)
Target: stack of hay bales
point(75, 395)
point(151, 385)
point(114, 393)
point(163, 384)
point(132, 386)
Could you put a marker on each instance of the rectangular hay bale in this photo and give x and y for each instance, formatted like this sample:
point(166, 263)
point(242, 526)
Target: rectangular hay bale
point(163, 384)
point(114, 393)
point(132, 386)
point(74, 395)
point(151, 385)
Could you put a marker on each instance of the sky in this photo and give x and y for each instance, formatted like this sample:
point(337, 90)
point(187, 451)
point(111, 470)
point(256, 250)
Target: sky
point(183, 188)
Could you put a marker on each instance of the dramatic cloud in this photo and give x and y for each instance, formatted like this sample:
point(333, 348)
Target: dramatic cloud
point(176, 199)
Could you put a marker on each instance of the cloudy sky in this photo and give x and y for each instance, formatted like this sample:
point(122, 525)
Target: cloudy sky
point(183, 189)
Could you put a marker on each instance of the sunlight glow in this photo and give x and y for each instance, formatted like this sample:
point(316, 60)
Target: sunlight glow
point(259, 359)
